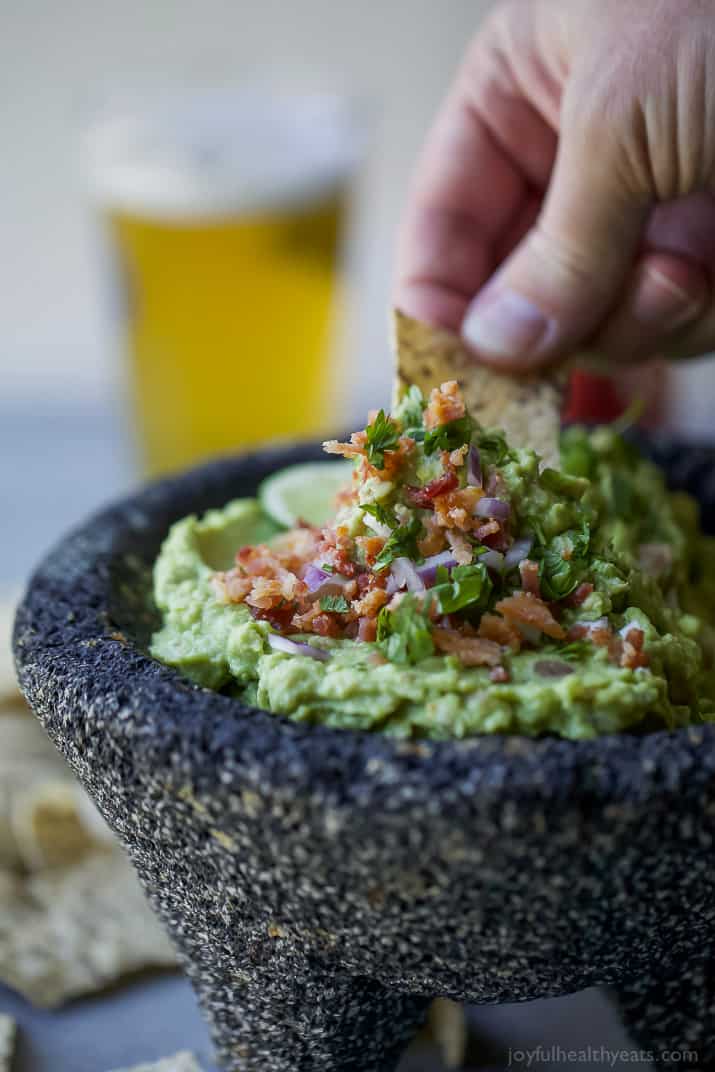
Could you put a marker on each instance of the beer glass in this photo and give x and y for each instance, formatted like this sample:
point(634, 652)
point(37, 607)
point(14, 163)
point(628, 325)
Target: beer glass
point(225, 211)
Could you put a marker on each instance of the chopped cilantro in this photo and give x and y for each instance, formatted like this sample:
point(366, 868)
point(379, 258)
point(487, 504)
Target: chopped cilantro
point(404, 634)
point(338, 604)
point(559, 576)
point(327, 567)
point(449, 436)
point(409, 412)
point(577, 649)
point(382, 435)
point(402, 543)
point(493, 448)
point(380, 513)
point(461, 587)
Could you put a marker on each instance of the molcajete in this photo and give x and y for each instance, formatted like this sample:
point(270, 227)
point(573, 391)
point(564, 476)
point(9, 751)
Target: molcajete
point(322, 885)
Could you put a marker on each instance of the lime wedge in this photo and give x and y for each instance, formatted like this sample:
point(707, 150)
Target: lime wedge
point(304, 492)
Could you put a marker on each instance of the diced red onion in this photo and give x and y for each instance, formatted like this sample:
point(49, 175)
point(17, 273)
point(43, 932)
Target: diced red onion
point(496, 508)
point(474, 468)
point(427, 570)
point(493, 560)
point(292, 647)
point(552, 668)
point(321, 583)
point(518, 551)
point(404, 574)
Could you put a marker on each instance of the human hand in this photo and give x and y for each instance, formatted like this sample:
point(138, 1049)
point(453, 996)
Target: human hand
point(563, 199)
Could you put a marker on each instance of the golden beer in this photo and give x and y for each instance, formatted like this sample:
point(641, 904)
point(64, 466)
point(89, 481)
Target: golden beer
point(231, 287)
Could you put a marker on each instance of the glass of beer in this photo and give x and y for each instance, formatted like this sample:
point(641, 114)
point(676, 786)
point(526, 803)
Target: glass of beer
point(225, 212)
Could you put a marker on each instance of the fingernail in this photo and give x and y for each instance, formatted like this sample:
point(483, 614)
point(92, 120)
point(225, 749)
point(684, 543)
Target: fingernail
point(660, 301)
point(506, 324)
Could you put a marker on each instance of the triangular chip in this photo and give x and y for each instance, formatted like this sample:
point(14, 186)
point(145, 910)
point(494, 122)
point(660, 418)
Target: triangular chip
point(74, 931)
point(527, 408)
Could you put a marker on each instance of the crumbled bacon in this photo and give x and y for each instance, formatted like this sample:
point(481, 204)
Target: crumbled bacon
point(471, 651)
point(367, 630)
point(579, 595)
point(529, 572)
point(325, 625)
point(456, 457)
point(279, 618)
point(371, 546)
point(433, 541)
point(370, 604)
point(632, 654)
point(445, 404)
point(269, 592)
point(492, 627)
point(354, 448)
point(523, 608)
point(231, 587)
point(424, 497)
point(460, 547)
point(455, 510)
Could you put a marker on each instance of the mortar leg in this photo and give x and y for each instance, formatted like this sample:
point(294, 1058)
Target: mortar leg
point(280, 1017)
point(673, 1017)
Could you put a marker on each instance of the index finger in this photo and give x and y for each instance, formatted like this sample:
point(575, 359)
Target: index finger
point(484, 164)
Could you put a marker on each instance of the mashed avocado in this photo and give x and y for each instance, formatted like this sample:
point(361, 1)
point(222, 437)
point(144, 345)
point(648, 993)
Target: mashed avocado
point(459, 591)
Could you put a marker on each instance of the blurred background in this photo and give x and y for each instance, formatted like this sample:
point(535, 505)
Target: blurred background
point(141, 266)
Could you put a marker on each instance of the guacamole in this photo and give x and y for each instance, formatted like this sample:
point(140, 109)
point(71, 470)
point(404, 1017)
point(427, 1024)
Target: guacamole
point(461, 589)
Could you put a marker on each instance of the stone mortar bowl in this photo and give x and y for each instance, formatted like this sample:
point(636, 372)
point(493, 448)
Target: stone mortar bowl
point(323, 886)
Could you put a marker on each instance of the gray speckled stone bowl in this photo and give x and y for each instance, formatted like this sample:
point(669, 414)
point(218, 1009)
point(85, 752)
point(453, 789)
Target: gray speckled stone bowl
point(322, 886)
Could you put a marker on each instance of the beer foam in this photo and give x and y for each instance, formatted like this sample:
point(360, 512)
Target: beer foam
point(206, 153)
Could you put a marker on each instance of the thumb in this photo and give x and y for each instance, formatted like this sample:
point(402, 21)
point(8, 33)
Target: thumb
point(566, 273)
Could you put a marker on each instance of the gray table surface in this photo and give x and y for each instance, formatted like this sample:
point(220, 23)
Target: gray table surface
point(155, 1016)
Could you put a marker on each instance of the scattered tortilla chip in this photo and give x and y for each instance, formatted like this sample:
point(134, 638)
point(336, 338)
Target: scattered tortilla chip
point(447, 1026)
point(46, 819)
point(180, 1062)
point(7, 1042)
point(527, 408)
point(74, 931)
point(8, 682)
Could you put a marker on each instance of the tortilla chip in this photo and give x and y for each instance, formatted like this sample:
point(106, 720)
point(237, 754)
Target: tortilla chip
point(526, 408)
point(447, 1026)
point(75, 931)
point(46, 819)
point(180, 1062)
point(7, 1042)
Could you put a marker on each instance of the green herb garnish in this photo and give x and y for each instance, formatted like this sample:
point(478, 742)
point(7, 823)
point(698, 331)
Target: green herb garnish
point(410, 410)
point(493, 449)
point(404, 634)
point(449, 436)
point(327, 567)
point(336, 604)
point(462, 587)
point(380, 513)
point(383, 434)
point(577, 649)
point(401, 544)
